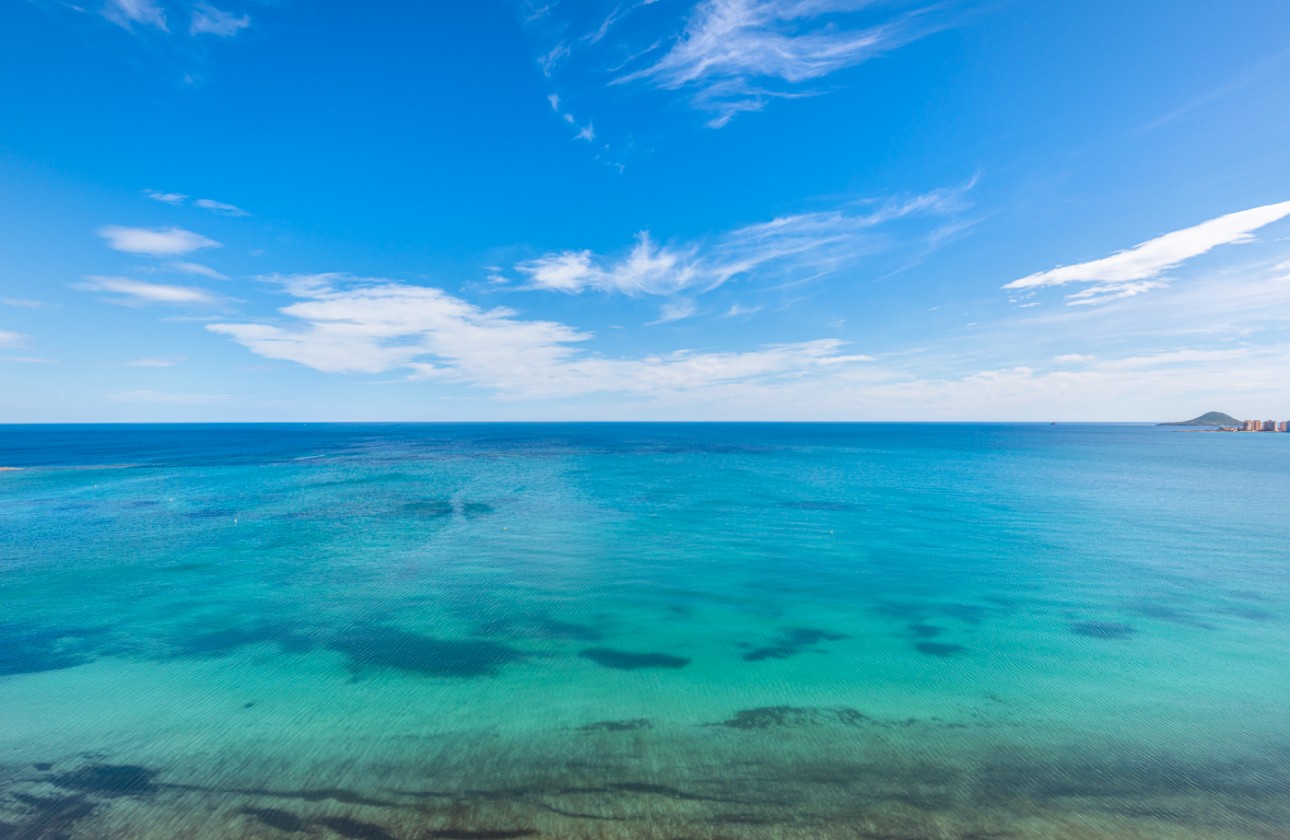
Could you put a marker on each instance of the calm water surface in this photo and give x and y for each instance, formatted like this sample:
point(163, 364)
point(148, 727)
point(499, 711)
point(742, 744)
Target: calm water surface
point(661, 631)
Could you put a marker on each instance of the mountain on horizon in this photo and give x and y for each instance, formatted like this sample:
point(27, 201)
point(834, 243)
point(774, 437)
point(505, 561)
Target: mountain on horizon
point(1209, 418)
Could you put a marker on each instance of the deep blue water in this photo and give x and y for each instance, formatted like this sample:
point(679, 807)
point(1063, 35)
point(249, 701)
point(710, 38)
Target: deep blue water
point(643, 630)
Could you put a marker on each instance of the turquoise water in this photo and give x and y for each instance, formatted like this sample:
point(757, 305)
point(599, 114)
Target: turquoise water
point(663, 631)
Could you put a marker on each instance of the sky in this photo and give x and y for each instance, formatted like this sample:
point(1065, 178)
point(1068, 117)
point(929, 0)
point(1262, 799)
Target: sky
point(272, 210)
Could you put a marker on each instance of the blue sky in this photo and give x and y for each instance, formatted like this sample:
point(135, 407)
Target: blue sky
point(677, 209)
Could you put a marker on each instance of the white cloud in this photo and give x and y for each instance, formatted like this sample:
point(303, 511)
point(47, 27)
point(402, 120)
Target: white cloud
point(196, 269)
point(344, 325)
point(739, 54)
point(24, 303)
point(737, 311)
point(209, 20)
point(155, 242)
point(806, 245)
point(137, 292)
point(11, 339)
point(220, 207)
point(675, 310)
point(180, 199)
point(1073, 358)
point(587, 132)
point(166, 197)
point(1107, 292)
point(127, 12)
point(648, 269)
point(1135, 271)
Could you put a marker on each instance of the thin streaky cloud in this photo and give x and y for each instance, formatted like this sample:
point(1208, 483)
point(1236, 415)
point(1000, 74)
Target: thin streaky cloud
point(155, 242)
point(11, 339)
point(1137, 269)
point(137, 292)
point(223, 208)
point(196, 269)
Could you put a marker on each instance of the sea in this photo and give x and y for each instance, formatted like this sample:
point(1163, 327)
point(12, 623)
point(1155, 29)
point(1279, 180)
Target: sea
point(488, 631)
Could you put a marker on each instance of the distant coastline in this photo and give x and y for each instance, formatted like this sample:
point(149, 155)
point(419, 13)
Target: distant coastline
point(1217, 421)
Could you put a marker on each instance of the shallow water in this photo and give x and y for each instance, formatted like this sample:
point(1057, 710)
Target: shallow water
point(492, 631)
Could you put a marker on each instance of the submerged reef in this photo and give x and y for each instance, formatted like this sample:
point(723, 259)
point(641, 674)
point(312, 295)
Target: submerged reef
point(802, 773)
point(767, 717)
point(1103, 629)
point(791, 642)
point(943, 650)
point(627, 661)
point(389, 647)
point(617, 725)
point(32, 648)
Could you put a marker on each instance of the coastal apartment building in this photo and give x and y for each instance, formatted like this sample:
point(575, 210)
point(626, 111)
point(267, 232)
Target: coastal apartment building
point(1265, 426)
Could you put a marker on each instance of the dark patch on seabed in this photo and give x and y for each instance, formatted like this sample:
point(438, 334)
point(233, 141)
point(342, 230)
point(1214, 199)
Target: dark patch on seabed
point(924, 631)
point(1172, 615)
point(767, 717)
point(627, 661)
point(281, 820)
point(226, 640)
point(839, 792)
point(942, 650)
point(1103, 629)
point(344, 797)
point(45, 816)
point(463, 834)
point(355, 829)
point(791, 642)
point(617, 725)
point(388, 647)
point(31, 649)
point(109, 780)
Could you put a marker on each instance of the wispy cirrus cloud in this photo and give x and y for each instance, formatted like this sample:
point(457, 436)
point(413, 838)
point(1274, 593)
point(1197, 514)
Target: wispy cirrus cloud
point(367, 326)
point(196, 269)
point(203, 18)
point(180, 199)
point(130, 292)
point(166, 197)
point(737, 55)
point(1138, 269)
point(9, 338)
point(155, 242)
point(221, 207)
point(127, 13)
point(802, 246)
point(208, 20)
